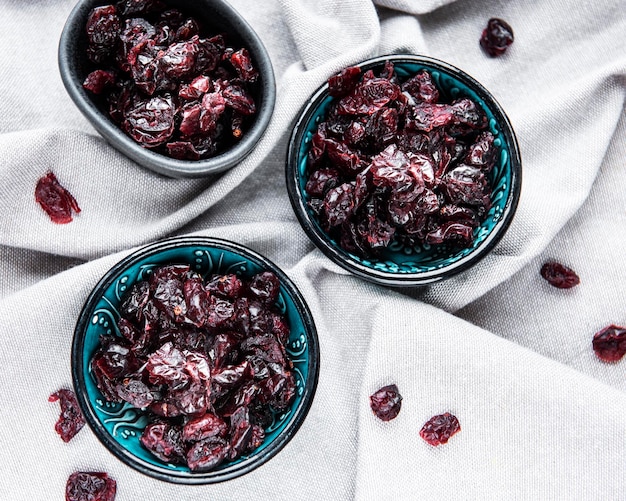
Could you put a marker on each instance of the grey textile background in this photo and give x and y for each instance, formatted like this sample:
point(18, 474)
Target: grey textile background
point(542, 418)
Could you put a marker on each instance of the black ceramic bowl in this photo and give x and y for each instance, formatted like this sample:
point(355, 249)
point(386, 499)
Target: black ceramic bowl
point(402, 264)
point(119, 425)
point(217, 17)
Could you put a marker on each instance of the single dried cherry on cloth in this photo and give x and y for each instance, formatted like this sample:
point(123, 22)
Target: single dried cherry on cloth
point(172, 84)
point(609, 344)
point(398, 160)
point(438, 429)
point(90, 486)
point(71, 419)
point(386, 402)
point(55, 200)
point(204, 360)
point(496, 37)
point(558, 275)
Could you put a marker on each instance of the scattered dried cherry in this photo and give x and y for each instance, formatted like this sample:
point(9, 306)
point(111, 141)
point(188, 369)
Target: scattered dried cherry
point(609, 344)
point(398, 160)
point(168, 83)
point(71, 419)
point(496, 37)
point(204, 357)
point(58, 203)
point(386, 402)
point(438, 429)
point(559, 275)
point(90, 486)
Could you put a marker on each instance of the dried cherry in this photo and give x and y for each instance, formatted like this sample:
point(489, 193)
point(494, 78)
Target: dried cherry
point(98, 80)
point(169, 83)
point(398, 160)
point(438, 429)
point(558, 275)
point(90, 486)
point(58, 203)
point(205, 359)
point(386, 402)
point(103, 28)
point(71, 419)
point(609, 344)
point(496, 37)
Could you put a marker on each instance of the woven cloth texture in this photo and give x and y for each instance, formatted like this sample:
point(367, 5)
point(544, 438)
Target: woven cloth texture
point(542, 418)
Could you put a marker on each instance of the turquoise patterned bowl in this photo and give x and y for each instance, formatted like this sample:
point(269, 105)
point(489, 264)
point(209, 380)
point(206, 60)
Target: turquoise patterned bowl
point(401, 265)
point(119, 426)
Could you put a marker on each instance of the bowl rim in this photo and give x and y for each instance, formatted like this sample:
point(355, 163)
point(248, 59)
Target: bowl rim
point(158, 162)
point(376, 275)
point(255, 460)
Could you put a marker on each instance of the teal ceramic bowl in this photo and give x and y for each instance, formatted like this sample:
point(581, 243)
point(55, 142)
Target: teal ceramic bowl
point(400, 265)
point(119, 426)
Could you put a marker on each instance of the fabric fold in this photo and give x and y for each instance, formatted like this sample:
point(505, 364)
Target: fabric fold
point(541, 417)
point(514, 406)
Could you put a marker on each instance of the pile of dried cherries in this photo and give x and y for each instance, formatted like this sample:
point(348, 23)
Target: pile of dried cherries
point(171, 85)
point(394, 160)
point(204, 358)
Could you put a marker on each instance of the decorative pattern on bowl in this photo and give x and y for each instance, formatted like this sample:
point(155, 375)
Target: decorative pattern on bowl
point(399, 264)
point(119, 425)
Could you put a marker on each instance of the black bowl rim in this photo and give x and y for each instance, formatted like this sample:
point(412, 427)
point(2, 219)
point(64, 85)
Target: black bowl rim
point(271, 449)
point(376, 275)
point(157, 162)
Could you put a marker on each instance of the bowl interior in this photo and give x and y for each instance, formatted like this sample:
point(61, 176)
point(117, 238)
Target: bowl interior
point(216, 16)
point(399, 263)
point(118, 425)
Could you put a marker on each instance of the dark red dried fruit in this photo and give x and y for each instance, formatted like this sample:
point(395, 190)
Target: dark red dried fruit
point(609, 344)
point(496, 37)
point(71, 419)
point(421, 87)
point(242, 63)
point(133, 7)
point(386, 402)
point(368, 97)
point(265, 287)
point(90, 486)
point(98, 80)
point(559, 275)
point(390, 155)
point(438, 429)
point(164, 441)
point(204, 358)
point(167, 82)
point(151, 122)
point(206, 455)
point(55, 199)
point(321, 181)
point(344, 82)
point(103, 28)
point(238, 99)
point(203, 427)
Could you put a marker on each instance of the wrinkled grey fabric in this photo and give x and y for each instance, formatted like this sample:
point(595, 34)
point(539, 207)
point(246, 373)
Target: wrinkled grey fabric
point(541, 417)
